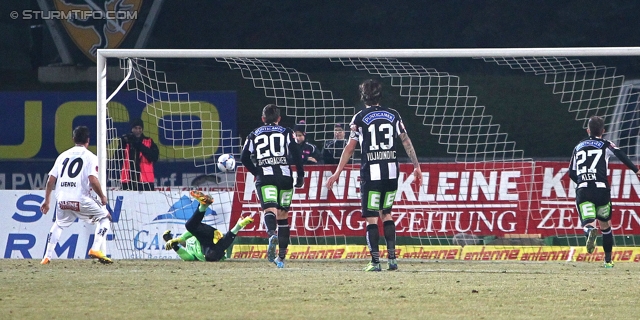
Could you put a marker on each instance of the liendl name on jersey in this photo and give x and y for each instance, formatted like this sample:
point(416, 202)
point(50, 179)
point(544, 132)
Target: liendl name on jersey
point(68, 184)
point(381, 155)
point(272, 161)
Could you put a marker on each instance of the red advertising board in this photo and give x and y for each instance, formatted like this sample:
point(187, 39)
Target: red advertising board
point(489, 198)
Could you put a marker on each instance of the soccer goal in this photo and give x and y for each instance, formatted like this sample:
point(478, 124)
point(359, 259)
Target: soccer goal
point(494, 130)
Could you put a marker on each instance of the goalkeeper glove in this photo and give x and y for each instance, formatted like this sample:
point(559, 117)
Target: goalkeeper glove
point(170, 243)
point(299, 181)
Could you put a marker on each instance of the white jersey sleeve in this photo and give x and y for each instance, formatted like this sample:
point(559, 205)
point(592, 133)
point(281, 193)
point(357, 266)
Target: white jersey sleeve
point(92, 168)
point(354, 130)
point(56, 167)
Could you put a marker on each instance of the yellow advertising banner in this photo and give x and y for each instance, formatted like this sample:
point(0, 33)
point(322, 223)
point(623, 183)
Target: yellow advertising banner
point(517, 253)
point(470, 252)
point(336, 252)
point(619, 254)
point(431, 252)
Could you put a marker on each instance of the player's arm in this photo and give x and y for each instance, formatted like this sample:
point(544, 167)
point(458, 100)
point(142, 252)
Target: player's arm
point(95, 185)
point(183, 237)
point(573, 174)
point(622, 156)
point(411, 152)
point(347, 153)
point(51, 183)
point(245, 156)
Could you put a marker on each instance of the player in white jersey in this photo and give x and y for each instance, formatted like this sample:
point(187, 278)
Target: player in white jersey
point(74, 175)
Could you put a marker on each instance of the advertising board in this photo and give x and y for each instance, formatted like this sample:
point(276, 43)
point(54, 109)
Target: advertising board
point(138, 224)
point(36, 126)
point(481, 199)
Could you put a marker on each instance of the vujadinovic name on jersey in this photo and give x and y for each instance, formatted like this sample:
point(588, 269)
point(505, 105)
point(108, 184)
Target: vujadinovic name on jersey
point(381, 155)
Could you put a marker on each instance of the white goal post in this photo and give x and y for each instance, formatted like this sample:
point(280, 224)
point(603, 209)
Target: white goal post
point(487, 189)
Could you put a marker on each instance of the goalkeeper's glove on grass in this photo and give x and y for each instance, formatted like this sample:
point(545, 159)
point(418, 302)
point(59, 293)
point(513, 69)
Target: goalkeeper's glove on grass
point(169, 245)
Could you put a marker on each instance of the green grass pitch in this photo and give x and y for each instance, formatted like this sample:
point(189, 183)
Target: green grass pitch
point(249, 289)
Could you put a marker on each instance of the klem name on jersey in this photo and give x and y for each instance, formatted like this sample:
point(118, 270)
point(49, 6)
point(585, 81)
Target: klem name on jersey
point(588, 177)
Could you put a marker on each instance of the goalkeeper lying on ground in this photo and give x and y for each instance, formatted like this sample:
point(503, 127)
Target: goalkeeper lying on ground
point(201, 241)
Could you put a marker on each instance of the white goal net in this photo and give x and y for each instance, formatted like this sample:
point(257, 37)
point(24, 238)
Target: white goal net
point(493, 129)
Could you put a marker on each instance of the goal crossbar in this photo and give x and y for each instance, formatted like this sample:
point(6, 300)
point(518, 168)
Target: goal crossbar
point(368, 53)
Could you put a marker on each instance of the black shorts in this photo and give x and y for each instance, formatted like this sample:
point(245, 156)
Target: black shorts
point(593, 203)
point(275, 191)
point(377, 195)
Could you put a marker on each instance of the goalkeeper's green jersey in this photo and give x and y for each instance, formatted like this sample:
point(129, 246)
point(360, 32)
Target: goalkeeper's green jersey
point(192, 246)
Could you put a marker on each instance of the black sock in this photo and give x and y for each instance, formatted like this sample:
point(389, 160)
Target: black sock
point(389, 228)
point(373, 237)
point(607, 243)
point(283, 237)
point(270, 222)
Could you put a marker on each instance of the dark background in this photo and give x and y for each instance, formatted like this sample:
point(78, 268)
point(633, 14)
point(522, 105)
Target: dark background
point(525, 108)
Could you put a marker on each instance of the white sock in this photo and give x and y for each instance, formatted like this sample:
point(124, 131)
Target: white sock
point(100, 235)
point(54, 236)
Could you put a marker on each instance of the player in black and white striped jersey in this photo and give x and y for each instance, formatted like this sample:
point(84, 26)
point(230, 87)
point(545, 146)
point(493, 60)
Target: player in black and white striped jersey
point(274, 148)
point(588, 169)
point(376, 129)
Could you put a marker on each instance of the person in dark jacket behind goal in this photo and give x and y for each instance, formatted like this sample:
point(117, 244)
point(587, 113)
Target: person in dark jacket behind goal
point(138, 153)
point(308, 151)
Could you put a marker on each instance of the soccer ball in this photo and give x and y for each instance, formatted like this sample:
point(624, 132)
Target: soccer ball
point(226, 162)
